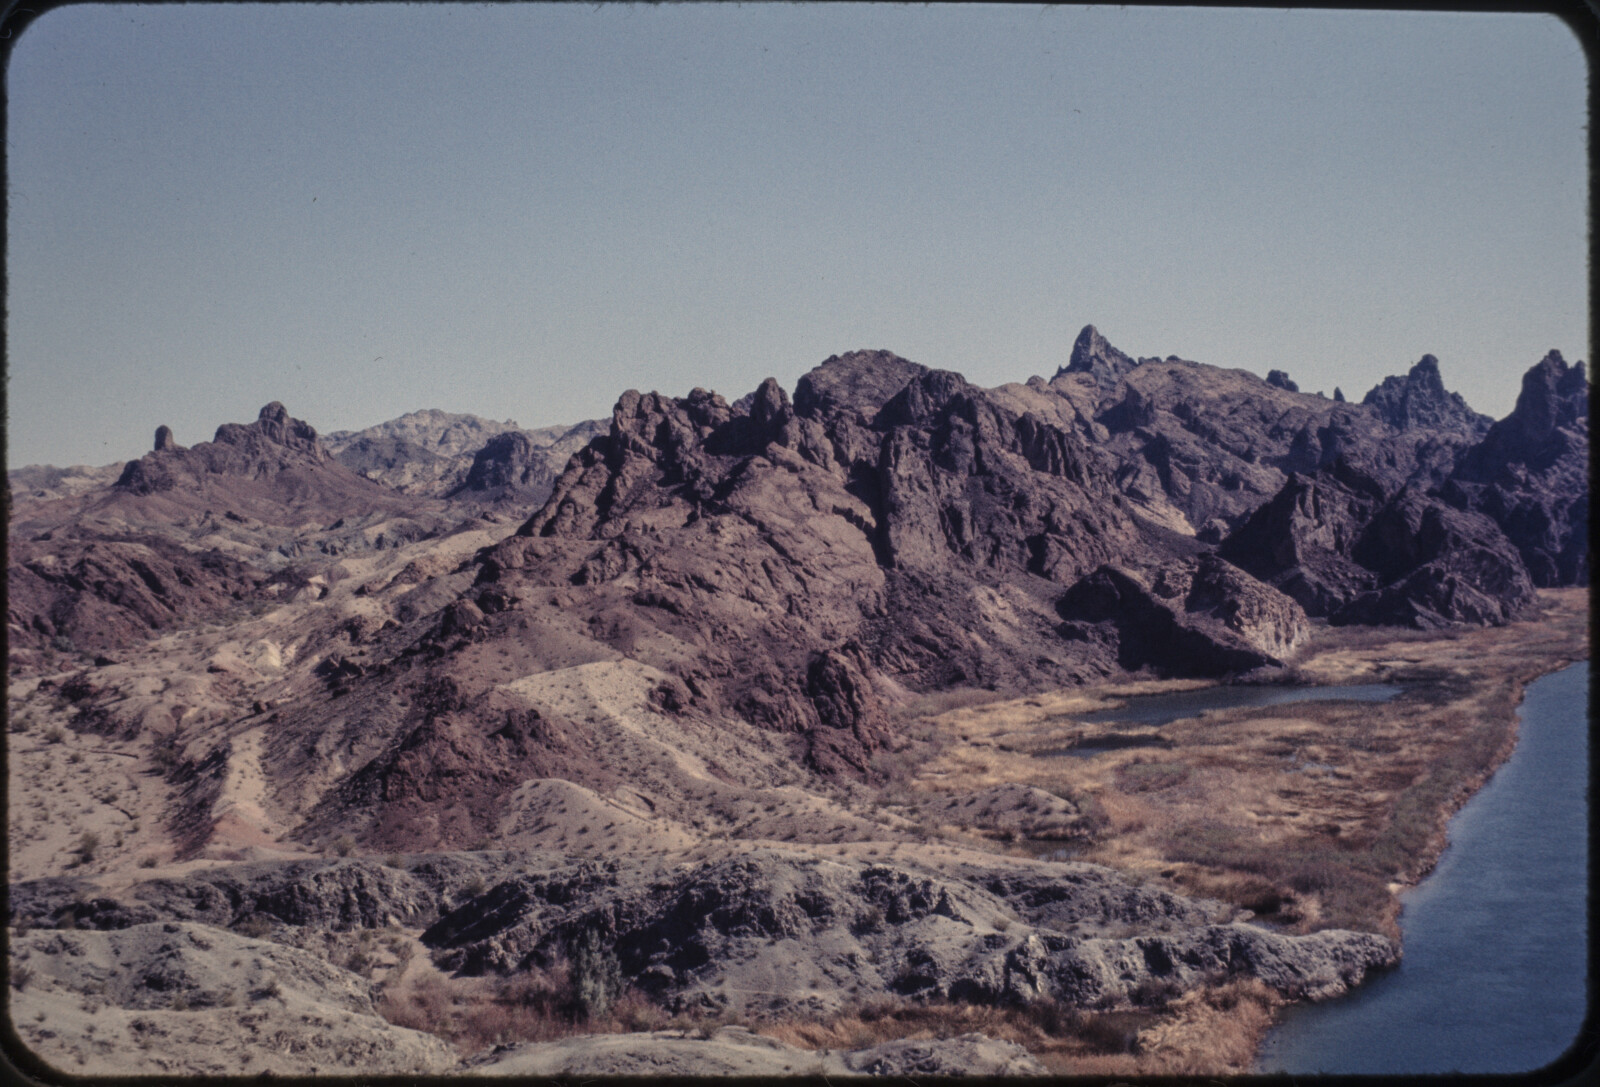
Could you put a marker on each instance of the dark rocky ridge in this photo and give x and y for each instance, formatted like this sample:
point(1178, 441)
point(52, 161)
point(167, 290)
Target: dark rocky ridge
point(714, 935)
point(1420, 400)
point(1092, 354)
point(1531, 473)
point(706, 937)
point(274, 443)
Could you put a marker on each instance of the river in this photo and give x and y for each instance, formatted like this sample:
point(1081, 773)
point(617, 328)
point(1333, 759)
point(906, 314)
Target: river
point(1496, 938)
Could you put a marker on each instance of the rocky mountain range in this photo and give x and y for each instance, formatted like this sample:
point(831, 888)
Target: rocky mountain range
point(705, 621)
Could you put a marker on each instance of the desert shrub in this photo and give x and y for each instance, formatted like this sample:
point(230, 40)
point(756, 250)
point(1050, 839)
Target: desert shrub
point(634, 1012)
point(54, 734)
point(868, 920)
point(1113, 1032)
point(344, 845)
point(20, 976)
point(1141, 776)
point(1154, 991)
point(148, 862)
point(87, 844)
point(393, 860)
point(473, 887)
point(256, 927)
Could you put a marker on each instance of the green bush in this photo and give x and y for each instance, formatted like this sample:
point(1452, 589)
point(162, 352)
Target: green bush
point(596, 975)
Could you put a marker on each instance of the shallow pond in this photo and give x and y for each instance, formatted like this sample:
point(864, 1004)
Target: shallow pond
point(1496, 938)
point(1158, 709)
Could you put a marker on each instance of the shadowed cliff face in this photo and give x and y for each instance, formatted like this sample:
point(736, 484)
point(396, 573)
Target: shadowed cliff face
point(1530, 474)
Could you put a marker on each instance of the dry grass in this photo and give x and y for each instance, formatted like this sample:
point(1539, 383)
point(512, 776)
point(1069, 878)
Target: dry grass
point(1213, 1031)
point(1310, 813)
point(474, 1014)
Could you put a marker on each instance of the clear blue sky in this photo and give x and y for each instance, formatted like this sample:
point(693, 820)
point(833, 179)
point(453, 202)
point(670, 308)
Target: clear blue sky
point(520, 211)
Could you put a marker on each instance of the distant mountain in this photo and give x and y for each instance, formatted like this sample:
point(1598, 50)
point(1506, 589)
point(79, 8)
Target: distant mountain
point(433, 452)
point(48, 481)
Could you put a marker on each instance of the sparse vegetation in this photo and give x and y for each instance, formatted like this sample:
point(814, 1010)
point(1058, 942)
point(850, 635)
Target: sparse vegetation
point(256, 927)
point(596, 975)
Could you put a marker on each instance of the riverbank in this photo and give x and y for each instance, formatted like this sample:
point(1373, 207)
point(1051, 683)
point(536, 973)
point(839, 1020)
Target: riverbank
point(1493, 979)
point(1311, 815)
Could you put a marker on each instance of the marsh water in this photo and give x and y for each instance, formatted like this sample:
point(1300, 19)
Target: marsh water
point(1159, 709)
point(1496, 939)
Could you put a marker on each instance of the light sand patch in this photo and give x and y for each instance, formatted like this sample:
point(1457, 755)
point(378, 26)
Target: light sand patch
point(549, 813)
point(239, 814)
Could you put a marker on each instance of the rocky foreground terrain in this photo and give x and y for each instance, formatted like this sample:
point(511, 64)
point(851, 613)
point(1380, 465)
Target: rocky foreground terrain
point(447, 745)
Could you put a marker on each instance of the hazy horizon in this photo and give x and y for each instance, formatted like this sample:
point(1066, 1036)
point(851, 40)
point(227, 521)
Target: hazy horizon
point(520, 211)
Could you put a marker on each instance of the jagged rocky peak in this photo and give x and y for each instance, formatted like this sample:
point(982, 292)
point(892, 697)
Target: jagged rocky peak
point(1093, 354)
point(273, 442)
point(273, 422)
point(1420, 400)
point(1279, 379)
point(1554, 394)
point(854, 385)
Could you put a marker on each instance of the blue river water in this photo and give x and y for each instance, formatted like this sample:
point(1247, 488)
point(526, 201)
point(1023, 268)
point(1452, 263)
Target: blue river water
point(1493, 979)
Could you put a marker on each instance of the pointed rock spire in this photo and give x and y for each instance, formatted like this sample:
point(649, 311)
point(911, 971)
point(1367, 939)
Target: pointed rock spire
point(1093, 354)
point(1420, 399)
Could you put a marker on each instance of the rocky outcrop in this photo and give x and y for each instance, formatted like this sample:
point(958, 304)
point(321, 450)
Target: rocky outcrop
point(1437, 566)
point(1092, 354)
point(737, 1051)
point(1530, 474)
point(1300, 542)
point(335, 895)
point(1420, 400)
point(1193, 443)
point(176, 999)
point(890, 508)
point(1344, 549)
point(1199, 618)
point(96, 594)
point(274, 443)
point(723, 934)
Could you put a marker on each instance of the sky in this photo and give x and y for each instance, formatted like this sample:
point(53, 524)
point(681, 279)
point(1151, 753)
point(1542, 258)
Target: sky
point(520, 211)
